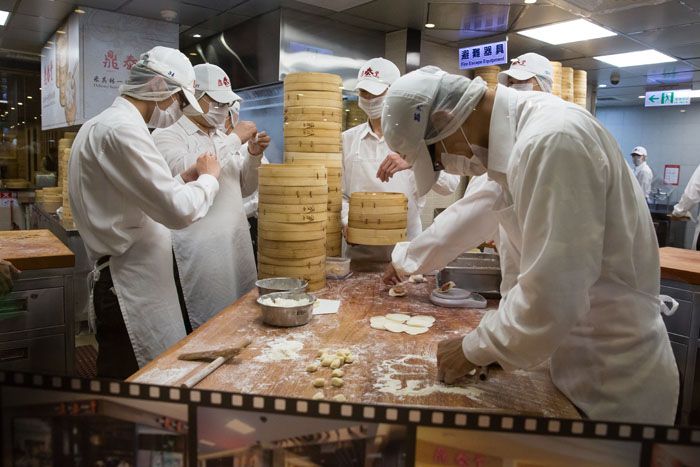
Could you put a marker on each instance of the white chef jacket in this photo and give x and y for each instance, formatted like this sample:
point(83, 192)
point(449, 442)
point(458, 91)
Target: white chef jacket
point(363, 153)
point(465, 224)
point(124, 200)
point(584, 295)
point(214, 256)
point(644, 177)
point(250, 203)
point(688, 201)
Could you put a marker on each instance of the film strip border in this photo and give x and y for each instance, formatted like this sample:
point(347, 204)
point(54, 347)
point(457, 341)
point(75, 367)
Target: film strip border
point(400, 415)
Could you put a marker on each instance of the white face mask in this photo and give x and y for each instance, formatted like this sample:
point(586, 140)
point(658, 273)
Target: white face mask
point(164, 118)
point(216, 117)
point(372, 107)
point(637, 161)
point(522, 86)
point(457, 164)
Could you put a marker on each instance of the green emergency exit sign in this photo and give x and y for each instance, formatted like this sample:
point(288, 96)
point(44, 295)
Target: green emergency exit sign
point(664, 98)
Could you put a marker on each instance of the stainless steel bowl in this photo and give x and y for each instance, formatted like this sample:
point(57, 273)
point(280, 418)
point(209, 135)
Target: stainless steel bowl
point(281, 284)
point(287, 316)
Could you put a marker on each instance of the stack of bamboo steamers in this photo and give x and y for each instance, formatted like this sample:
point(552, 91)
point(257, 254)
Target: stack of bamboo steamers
point(377, 218)
point(64, 148)
point(569, 84)
point(300, 201)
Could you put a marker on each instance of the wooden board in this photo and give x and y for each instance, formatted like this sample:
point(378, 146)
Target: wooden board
point(680, 265)
point(411, 357)
point(30, 250)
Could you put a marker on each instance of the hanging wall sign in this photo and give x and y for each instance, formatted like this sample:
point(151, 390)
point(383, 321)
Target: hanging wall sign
point(495, 53)
point(672, 174)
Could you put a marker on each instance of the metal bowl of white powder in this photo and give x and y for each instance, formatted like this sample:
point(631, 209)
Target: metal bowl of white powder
point(280, 284)
point(286, 308)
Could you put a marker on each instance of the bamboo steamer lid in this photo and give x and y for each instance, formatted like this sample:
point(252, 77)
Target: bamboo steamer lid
point(293, 262)
point(292, 218)
point(292, 200)
point(312, 99)
point(311, 125)
point(293, 208)
point(311, 86)
point(376, 237)
point(292, 245)
point(378, 198)
point(291, 236)
point(357, 210)
point(313, 114)
point(313, 77)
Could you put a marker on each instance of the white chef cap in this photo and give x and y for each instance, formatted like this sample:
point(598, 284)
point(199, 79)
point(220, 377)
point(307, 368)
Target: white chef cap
point(424, 107)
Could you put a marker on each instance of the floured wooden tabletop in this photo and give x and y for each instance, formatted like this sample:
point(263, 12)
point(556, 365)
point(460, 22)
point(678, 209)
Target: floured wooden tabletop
point(396, 369)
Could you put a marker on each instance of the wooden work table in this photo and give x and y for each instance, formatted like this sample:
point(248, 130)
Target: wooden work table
point(680, 265)
point(395, 369)
point(30, 250)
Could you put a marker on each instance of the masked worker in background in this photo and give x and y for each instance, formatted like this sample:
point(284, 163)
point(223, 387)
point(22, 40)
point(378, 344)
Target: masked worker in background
point(470, 221)
point(364, 153)
point(583, 296)
point(688, 202)
point(215, 256)
point(124, 201)
point(642, 170)
point(528, 72)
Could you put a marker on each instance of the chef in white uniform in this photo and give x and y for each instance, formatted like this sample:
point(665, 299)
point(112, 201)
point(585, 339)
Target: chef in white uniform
point(583, 296)
point(215, 256)
point(689, 200)
point(642, 170)
point(365, 151)
point(125, 201)
point(470, 221)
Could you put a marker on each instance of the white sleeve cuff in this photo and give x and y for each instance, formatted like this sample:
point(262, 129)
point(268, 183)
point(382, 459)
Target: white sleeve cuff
point(178, 177)
point(209, 183)
point(400, 261)
point(475, 351)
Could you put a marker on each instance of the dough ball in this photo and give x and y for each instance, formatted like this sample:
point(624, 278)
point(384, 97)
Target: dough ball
point(319, 382)
point(318, 396)
point(312, 368)
point(337, 382)
point(336, 363)
point(349, 358)
point(338, 373)
point(377, 322)
point(416, 279)
point(415, 330)
point(447, 286)
point(398, 291)
point(393, 326)
point(339, 398)
point(397, 317)
point(343, 352)
point(421, 321)
point(326, 361)
point(322, 352)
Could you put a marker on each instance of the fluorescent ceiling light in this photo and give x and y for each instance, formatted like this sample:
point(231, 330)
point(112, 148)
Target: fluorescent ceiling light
point(530, 1)
point(429, 25)
point(3, 17)
point(196, 36)
point(240, 427)
point(568, 31)
point(692, 93)
point(602, 85)
point(641, 57)
point(206, 442)
point(642, 97)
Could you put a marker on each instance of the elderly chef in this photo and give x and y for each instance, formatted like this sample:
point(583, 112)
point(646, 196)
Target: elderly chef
point(124, 201)
point(583, 296)
point(215, 256)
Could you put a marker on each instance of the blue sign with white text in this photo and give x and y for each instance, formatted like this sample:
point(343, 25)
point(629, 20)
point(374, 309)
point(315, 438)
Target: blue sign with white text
point(475, 56)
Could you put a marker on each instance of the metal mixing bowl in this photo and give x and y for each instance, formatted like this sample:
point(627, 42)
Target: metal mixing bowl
point(281, 284)
point(287, 316)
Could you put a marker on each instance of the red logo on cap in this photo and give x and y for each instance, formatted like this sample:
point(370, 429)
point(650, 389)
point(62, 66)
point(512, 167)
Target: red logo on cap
point(517, 61)
point(369, 72)
point(226, 81)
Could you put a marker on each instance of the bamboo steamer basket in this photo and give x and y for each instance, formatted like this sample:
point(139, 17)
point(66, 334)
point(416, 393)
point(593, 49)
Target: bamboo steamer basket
point(293, 190)
point(556, 78)
point(298, 182)
point(376, 237)
point(310, 273)
point(313, 77)
point(292, 171)
point(313, 114)
point(293, 262)
point(311, 86)
point(292, 245)
point(290, 253)
point(313, 145)
point(374, 199)
point(292, 217)
point(287, 236)
point(309, 227)
point(312, 125)
point(310, 133)
point(293, 200)
point(329, 160)
point(313, 99)
point(567, 83)
point(313, 286)
point(378, 221)
point(293, 208)
point(488, 74)
point(580, 87)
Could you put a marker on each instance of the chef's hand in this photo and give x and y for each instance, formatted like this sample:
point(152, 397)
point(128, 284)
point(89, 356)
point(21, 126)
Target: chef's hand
point(255, 148)
point(8, 273)
point(392, 164)
point(452, 364)
point(190, 174)
point(391, 276)
point(245, 130)
point(208, 164)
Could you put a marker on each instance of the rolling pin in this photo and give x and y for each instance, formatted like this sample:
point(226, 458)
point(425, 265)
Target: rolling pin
point(217, 357)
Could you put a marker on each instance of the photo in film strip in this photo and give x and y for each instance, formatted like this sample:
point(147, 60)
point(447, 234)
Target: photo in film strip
point(55, 420)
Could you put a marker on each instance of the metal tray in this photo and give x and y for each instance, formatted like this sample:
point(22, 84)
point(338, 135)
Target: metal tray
point(475, 272)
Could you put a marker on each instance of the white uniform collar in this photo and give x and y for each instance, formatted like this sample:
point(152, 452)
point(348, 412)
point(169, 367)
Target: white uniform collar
point(367, 131)
point(502, 129)
point(191, 128)
point(122, 103)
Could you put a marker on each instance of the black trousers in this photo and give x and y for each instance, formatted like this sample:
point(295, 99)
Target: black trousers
point(253, 221)
point(115, 355)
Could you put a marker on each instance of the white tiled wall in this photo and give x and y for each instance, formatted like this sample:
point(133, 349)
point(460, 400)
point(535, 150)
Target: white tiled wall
point(670, 136)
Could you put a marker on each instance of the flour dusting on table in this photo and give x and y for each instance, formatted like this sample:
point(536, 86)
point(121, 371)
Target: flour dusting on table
point(281, 349)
